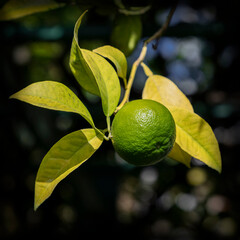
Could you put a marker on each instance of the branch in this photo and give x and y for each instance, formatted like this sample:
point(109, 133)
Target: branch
point(159, 33)
point(142, 55)
point(131, 77)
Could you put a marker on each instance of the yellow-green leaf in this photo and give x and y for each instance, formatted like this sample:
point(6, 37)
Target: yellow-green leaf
point(19, 8)
point(116, 57)
point(95, 74)
point(55, 96)
point(163, 90)
point(79, 66)
point(107, 80)
point(64, 157)
point(179, 155)
point(195, 137)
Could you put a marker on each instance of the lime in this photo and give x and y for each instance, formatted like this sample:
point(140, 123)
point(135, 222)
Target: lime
point(143, 132)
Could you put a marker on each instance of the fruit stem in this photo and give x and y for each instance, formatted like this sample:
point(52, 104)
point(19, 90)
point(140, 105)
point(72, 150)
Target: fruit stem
point(108, 124)
point(102, 132)
point(155, 36)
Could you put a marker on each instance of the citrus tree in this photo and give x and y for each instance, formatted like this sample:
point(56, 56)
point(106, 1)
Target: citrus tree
point(145, 131)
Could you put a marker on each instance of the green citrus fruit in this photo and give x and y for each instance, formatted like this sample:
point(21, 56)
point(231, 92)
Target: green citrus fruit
point(143, 132)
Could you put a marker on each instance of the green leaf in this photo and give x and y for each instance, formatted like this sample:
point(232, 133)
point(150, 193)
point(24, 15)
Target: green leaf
point(95, 74)
point(179, 155)
point(18, 8)
point(195, 137)
point(163, 90)
point(117, 58)
point(107, 81)
point(126, 33)
point(55, 96)
point(79, 66)
point(64, 157)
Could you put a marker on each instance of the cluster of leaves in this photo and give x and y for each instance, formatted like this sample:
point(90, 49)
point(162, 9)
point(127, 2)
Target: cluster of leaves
point(96, 75)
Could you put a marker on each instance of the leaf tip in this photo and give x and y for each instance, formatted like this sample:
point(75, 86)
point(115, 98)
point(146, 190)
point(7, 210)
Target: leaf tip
point(188, 164)
point(37, 203)
point(12, 96)
point(219, 169)
point(217, 166)
point(16, 95)
point(218, 163)
point(36, 207)
point(41, 193)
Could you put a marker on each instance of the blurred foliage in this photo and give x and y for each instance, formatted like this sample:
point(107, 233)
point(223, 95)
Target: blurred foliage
point(106, 197)
point(13, 9)
point(126, 33)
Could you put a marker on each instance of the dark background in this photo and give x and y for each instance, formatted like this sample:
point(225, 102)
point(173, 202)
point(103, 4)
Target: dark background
point(105, 197)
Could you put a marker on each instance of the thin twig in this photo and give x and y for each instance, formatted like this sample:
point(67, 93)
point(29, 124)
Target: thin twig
point(159, 33)
point(142, 55)
point(131, 77)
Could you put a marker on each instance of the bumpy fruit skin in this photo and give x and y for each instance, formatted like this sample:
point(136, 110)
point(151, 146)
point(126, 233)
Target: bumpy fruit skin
point(143, 132)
